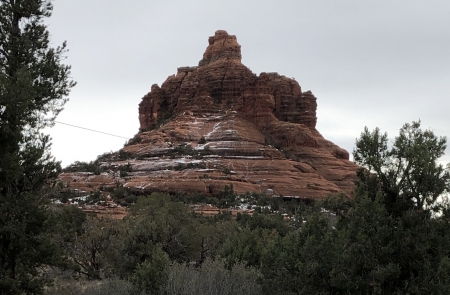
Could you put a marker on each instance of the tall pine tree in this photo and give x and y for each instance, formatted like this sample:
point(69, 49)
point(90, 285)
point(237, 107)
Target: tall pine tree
point(34, 85)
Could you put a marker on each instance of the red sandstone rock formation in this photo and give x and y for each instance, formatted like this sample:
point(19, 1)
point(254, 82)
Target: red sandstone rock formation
point(221, 82)
point(218, 123)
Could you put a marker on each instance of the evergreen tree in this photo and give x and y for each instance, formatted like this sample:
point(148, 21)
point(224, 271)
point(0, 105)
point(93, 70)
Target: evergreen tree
point(387, 240)
point(408, 174)
point(34, 85)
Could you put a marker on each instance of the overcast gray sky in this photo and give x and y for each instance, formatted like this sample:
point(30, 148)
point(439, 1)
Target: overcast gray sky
point(370, 63)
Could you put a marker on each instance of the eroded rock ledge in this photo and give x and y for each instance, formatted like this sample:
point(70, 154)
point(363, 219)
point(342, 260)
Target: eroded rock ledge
point(218, 123)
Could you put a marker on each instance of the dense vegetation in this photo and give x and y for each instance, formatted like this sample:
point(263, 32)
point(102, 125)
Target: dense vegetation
point(391, 238)
point(338, 246)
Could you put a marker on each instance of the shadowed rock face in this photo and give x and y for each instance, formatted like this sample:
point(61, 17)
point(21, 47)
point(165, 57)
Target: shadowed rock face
point(218, 123)
point(222, 83)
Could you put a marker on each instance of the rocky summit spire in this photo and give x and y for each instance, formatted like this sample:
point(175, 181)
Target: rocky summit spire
point(221, 46)
point(256, 132)
point(221, 124)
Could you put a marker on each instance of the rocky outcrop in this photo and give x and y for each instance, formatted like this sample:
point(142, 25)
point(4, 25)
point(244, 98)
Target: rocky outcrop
point(222, 82)
point(218, 123)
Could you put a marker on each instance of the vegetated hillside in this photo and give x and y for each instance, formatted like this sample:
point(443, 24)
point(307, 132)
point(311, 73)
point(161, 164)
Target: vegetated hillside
point(219, 124)
point(202, 143)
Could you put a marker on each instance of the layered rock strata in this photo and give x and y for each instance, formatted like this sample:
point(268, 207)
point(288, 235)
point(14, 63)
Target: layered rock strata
point(218, 123)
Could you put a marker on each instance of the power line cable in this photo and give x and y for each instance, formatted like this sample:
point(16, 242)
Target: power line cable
point(90, 129)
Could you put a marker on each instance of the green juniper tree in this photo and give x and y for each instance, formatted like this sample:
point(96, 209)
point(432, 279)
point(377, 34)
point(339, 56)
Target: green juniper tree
point(387, 240)
point(397, 196)
point(408, 173)
point(34, 85)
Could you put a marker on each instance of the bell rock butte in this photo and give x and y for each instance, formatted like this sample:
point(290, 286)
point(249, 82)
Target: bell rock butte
point(218, 124)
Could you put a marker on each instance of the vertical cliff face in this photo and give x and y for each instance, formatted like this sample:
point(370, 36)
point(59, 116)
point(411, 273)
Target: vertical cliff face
point(222, 82)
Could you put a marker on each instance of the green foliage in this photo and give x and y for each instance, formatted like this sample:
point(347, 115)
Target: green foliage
point(104, 157)
point(213, 233)
point(65, 195)
point(246, 246)
point(387, 240)
point(136, 139)
point(90, 251)
point(25, 243)
point(183, 150)
point(265, 202)
point(181, 166)
point(68, 221)
point(301, 262)
point(124, 169)
point(195, 198)
point(408, 173)
point(202, 140)
point(227, 197)
point(387, 254)
point(152, 274)
point(78, 166)
point(155, 221)
point(247, 242)
point(34, 85)
point(123, 155)
point(263, 221)
point(366, 238)
point(122, 195)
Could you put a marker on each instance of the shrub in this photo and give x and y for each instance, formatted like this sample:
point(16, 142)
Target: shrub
point(124, 169)
point(123, 155)
point(184, 150)
point(84, 167)
point(151, 275)
point(212, 278)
